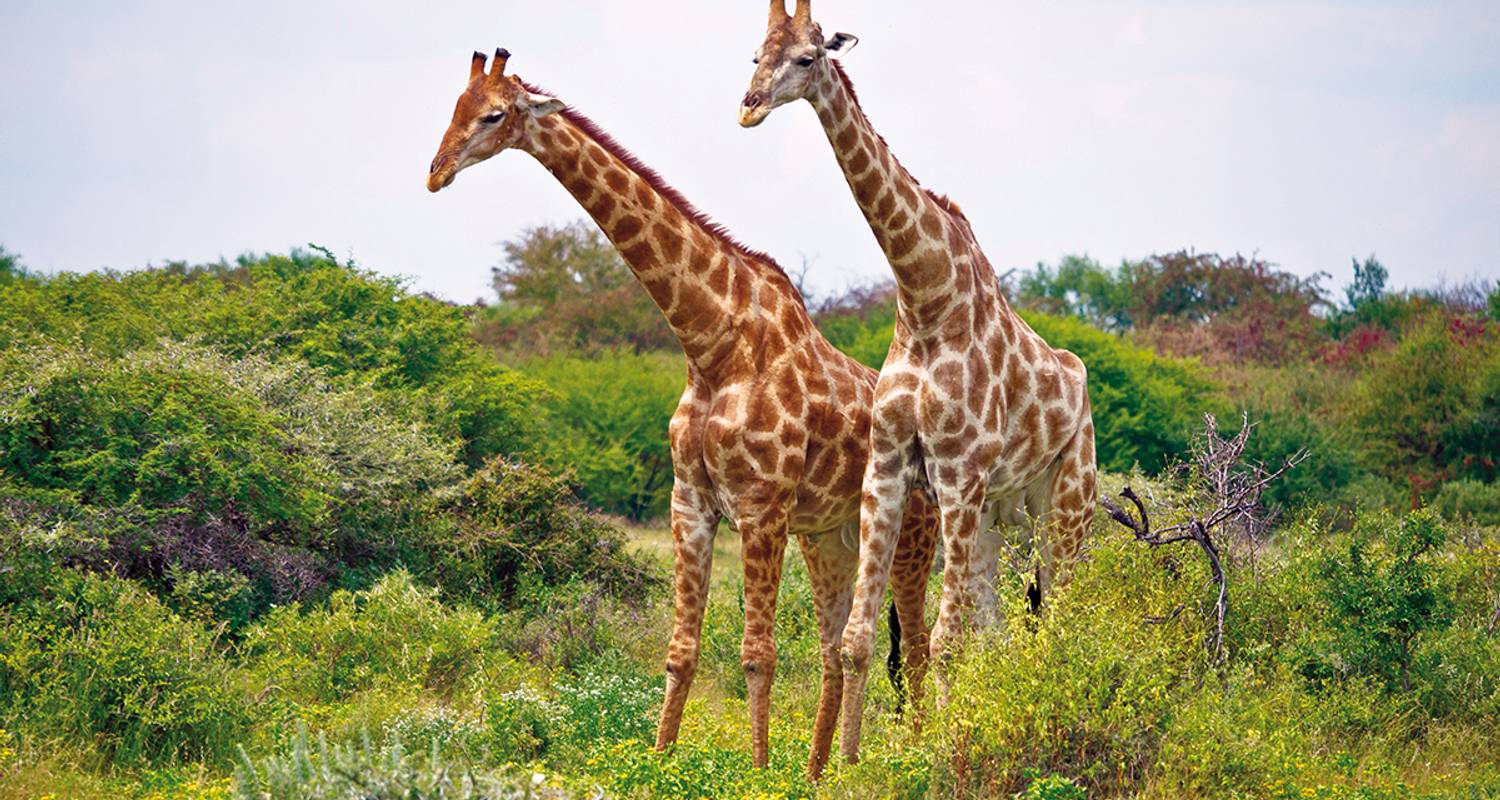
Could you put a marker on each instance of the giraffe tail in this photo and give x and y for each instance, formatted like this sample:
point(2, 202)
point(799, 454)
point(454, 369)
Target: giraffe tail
point(893, 661)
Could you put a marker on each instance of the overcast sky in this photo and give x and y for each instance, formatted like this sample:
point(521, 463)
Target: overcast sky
point(1307, 132)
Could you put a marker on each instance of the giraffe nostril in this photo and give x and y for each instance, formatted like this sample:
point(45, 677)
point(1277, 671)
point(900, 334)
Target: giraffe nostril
point(437, 164)
point(752, 100)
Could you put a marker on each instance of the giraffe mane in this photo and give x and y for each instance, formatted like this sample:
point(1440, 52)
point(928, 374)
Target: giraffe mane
point(944, 202)
point(714, 229)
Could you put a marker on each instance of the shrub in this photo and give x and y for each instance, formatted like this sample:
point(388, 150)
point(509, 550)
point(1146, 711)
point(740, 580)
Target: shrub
point(362, 770)
point(1470, 500)
point(190, 463)
point(100, 660)
point(1383, 600)
point(622, 403)
point(1086, 691)
point(518, 526)
point(436, 726)
point(394, 634)
point(610, 705)
point(521, 724)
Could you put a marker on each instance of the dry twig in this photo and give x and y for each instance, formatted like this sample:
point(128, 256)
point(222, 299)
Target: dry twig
point(1234, 490)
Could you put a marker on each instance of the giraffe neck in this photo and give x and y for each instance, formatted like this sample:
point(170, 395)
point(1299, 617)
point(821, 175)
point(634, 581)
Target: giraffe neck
point(912, 226)
point(702, 282)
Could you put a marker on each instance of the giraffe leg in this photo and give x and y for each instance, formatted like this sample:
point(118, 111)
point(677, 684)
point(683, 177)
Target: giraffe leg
point(915, 550)
point(887, 483)
point(831, 565)
point(1071, 515)
point(764, 545)
point(986, 567)
point(961, 506)
point(693, 545)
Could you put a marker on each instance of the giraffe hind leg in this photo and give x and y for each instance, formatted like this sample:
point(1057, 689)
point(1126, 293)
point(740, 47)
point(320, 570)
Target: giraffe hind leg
point(830, 566)
point(1071, 513)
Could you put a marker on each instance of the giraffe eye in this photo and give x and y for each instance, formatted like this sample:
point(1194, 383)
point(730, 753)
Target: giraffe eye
point(492, 117)
point(755, 59)
point(805, 61)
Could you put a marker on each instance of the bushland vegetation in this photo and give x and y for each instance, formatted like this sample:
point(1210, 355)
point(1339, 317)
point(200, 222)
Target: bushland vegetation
point(283, 528)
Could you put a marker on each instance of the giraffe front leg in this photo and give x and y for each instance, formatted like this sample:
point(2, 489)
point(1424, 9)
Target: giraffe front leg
point(763, 545)
point(830, 565)
point(887, 482)
point(693, 525)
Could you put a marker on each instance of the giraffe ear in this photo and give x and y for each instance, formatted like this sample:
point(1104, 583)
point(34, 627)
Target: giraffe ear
point(840, 44)
point(541, 105)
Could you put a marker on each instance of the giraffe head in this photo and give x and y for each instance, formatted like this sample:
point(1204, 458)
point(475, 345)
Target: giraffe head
point(493, 113)
point(788, 62)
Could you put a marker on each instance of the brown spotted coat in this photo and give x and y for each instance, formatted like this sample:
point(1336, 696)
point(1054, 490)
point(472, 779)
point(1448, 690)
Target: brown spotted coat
point(971, 403)
point(772, 431)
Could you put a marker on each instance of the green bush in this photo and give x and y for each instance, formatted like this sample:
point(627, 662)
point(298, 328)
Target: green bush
point(518, 526)
point(607, 705)
point(186, 463)
point(1087, 692)
point(622, 403)
point(394, 634)
point(1383, 599)
point(521, 724)
point(365, 771)
point(1469, 500)
point(1430, 407)
point(101, 661)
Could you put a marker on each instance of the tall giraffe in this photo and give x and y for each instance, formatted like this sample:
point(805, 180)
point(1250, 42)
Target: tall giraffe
point(772, 432)
point(971, 402)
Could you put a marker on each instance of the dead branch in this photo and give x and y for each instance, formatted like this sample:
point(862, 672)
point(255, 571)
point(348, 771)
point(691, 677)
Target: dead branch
point(1233, 490)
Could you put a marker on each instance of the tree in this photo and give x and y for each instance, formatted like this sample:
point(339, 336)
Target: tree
point(1368, 285)
point(566, 288)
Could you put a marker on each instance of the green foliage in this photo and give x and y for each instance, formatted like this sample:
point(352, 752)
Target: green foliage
point(1085, 694)
point(364, 771)
point(1078, 286)
point(621, 402)
point(1221, 309)
point(1430, 406)
point(1384, 599)
point(1052, 787)
point(11, 269)
point(393, 634)
point(1469, 500)
point(566, 288)
point(1368, 285)
point(518, 527)
point(610, 706)
point(304, 308)
point(99, 660)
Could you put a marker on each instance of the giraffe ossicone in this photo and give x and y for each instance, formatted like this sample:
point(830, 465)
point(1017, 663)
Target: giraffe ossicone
point(772, 431)
point(971, 403)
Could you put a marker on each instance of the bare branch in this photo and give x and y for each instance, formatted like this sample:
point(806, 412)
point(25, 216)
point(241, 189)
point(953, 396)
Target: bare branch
point(1234, 490)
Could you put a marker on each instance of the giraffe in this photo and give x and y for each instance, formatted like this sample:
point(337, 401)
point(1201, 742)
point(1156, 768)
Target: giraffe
point(971, 403)
point(772, 431)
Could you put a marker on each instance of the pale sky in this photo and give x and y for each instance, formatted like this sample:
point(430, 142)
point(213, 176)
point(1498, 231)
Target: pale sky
point(1307, 132)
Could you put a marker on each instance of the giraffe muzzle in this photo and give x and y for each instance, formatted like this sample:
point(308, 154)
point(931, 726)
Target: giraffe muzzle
point(441, 173)
point(753, 109)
